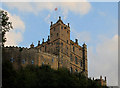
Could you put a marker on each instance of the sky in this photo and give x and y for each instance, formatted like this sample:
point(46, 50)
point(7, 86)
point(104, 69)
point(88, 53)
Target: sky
point(95, 23)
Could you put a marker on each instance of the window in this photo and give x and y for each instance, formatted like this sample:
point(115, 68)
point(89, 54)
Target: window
point(51, 35)
point(64, 27)
point(67, 31)
point(32, 62)
point(62, 44)
point(67, 41)
point(54, 29)
point(12, 60)
point(76, 70)
point(61, 27)
point(42, 63)
point(71, 69)
point(71, 57)
point(57, 34)
point(23, 61)
point(76, 60)
point(61, 59)
point(73, 49)
point(45, 48)
point(81, 63)
point(52, 60)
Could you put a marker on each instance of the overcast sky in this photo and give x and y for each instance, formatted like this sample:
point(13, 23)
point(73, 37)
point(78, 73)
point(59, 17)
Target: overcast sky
point(95, 23)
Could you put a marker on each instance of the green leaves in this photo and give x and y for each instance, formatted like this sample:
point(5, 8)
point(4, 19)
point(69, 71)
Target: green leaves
point(37, 77)
point(5, 24)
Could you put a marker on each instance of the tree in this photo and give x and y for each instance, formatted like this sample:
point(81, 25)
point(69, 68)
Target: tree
point(5, 24)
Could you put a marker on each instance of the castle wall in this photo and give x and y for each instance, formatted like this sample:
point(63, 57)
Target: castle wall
point(32, 56)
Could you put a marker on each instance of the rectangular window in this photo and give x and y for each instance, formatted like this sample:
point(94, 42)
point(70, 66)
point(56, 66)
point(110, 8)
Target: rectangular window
point(73, 49)
point(71, 57)
point(32, 62)
point(54, 29)
point(81, 63)
point(76, 60)
point(23, 61)
point(61, 27)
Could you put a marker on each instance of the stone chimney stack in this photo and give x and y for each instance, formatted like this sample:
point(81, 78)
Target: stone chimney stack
point(43, 40)
point(48, 38)
point(51, 23)
point(105, 78)
point(38, 43)
point(59, 17)
point(68, 25)
point(100, 77)
point(76, 41)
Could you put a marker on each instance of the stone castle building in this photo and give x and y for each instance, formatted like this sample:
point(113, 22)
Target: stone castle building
point(58, 51)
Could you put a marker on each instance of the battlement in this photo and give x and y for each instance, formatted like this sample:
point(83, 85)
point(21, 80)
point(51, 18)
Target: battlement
point(76, 44)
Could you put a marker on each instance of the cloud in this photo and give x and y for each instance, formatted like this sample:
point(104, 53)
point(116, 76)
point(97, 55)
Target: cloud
point(14, 36)
point(81, 8)
point(83, 36)
point(103, 60)
point(47, 19)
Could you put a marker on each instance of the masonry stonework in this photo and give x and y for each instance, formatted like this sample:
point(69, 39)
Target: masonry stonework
point(58, 51)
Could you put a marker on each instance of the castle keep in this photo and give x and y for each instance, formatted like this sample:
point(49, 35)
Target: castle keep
point(58, 51)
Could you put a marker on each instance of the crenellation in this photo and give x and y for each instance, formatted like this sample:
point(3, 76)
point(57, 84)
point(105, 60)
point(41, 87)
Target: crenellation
point(58, 51)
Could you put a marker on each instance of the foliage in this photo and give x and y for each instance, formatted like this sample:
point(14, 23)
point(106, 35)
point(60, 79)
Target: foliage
point(37, 77)
point(5, 24)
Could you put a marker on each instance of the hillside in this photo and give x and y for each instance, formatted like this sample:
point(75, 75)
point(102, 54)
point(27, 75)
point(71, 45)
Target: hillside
point(37, 77)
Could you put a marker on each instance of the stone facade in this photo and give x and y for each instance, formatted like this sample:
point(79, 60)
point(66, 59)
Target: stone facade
point(58, 51)
point(101, 81)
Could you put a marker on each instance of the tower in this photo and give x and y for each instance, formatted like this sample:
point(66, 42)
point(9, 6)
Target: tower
point(85, 68)
point(60, 41)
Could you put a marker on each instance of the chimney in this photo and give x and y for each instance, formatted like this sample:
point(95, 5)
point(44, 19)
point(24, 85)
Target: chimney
point(38, 43)
point(43, 40)
point(105, 78)
point(76, 41)
point(59, 17)
point(48, 38)
point(51, 23)
point(68, 24)
point(101, 77)
point(32, 45)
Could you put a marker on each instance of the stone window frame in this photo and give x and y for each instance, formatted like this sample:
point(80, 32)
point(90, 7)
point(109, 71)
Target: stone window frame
point(32, 62)
point(76, 60)
point(23, 61)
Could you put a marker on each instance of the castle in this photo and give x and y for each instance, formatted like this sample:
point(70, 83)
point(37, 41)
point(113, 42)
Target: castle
point(58, 51)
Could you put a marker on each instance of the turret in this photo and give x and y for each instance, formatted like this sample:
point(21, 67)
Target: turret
point(48, 38)
point(76, 41)
point(85, 69)
point(32, 45)
point(38, 43)
point(43, 40)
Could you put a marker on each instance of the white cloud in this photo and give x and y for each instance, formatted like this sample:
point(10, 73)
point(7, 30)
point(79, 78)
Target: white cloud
point(14, 36)
point(47, 19)
point(81, 8)
point(83, 36)
point(104, 61)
